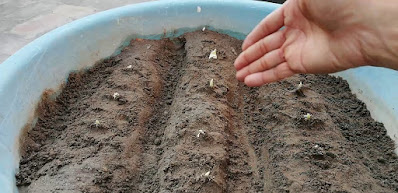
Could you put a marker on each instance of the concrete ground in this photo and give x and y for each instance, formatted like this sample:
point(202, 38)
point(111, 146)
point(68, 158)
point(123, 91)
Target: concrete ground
point(22, 21)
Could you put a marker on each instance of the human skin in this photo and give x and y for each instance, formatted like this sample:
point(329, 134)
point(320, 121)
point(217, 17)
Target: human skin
point(318, 37)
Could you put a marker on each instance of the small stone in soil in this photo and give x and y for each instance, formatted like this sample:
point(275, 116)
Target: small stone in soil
point(157, 141)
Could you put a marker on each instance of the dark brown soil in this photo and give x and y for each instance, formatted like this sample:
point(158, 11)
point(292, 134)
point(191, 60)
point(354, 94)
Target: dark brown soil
point(255, 139)
point(275, 1)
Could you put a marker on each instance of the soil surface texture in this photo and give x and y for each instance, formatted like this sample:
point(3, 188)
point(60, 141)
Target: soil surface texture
point(148, 120)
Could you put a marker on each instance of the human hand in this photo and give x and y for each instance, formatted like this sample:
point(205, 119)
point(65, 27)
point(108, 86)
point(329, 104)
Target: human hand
point(317, 37)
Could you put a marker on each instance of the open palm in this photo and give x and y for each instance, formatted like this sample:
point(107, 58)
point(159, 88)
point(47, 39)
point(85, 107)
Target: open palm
point(303, 36)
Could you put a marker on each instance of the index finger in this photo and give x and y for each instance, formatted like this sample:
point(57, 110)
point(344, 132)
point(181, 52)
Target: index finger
point(270, 24)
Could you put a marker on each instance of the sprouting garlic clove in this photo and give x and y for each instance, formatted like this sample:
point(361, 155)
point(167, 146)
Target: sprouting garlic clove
point(116, 95)
point(211, 83)
point(307, 116)
point(213, 54)
point(97, 123)
point(300, 86)
point(200, 132)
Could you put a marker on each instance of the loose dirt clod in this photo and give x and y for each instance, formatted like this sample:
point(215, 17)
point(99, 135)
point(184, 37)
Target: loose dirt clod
point(256, 139)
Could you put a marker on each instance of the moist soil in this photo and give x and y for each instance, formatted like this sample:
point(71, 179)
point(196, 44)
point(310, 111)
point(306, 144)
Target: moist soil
point(169, 131)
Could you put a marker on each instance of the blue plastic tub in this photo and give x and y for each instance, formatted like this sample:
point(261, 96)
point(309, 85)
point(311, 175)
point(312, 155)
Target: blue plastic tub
point(46, 62)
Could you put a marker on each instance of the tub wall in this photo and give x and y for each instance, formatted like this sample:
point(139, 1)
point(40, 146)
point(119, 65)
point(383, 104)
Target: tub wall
point(46, 62)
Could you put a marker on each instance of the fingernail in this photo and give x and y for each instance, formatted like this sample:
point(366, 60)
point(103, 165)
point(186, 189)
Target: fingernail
point(238, 76)
point(252, 80)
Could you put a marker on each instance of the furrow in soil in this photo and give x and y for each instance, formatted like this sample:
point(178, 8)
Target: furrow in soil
point(304, 155)
point(148, 180)
point(98, 142)
point(204, 150)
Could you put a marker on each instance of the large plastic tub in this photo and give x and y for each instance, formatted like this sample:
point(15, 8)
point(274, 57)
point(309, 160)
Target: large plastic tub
point(46, 62)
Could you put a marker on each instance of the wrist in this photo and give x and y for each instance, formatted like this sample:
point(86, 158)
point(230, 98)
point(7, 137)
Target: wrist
point(381, 38)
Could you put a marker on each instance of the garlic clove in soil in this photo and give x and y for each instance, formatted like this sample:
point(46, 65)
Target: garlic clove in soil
point(213, 54)
point(97, 123)
point(116, 95)
point(300, 86)
point(204, 28)
point(207, 174)
point(299, 90)
point(129, 67)
point(198, 9)
point(211, 83)
point(307, 116)
point(200, 132)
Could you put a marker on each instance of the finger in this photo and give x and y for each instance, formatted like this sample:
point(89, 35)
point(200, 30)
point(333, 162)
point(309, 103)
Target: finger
point(274, 74)
point(266, 62)
point(259, 49)
point(268, 25)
